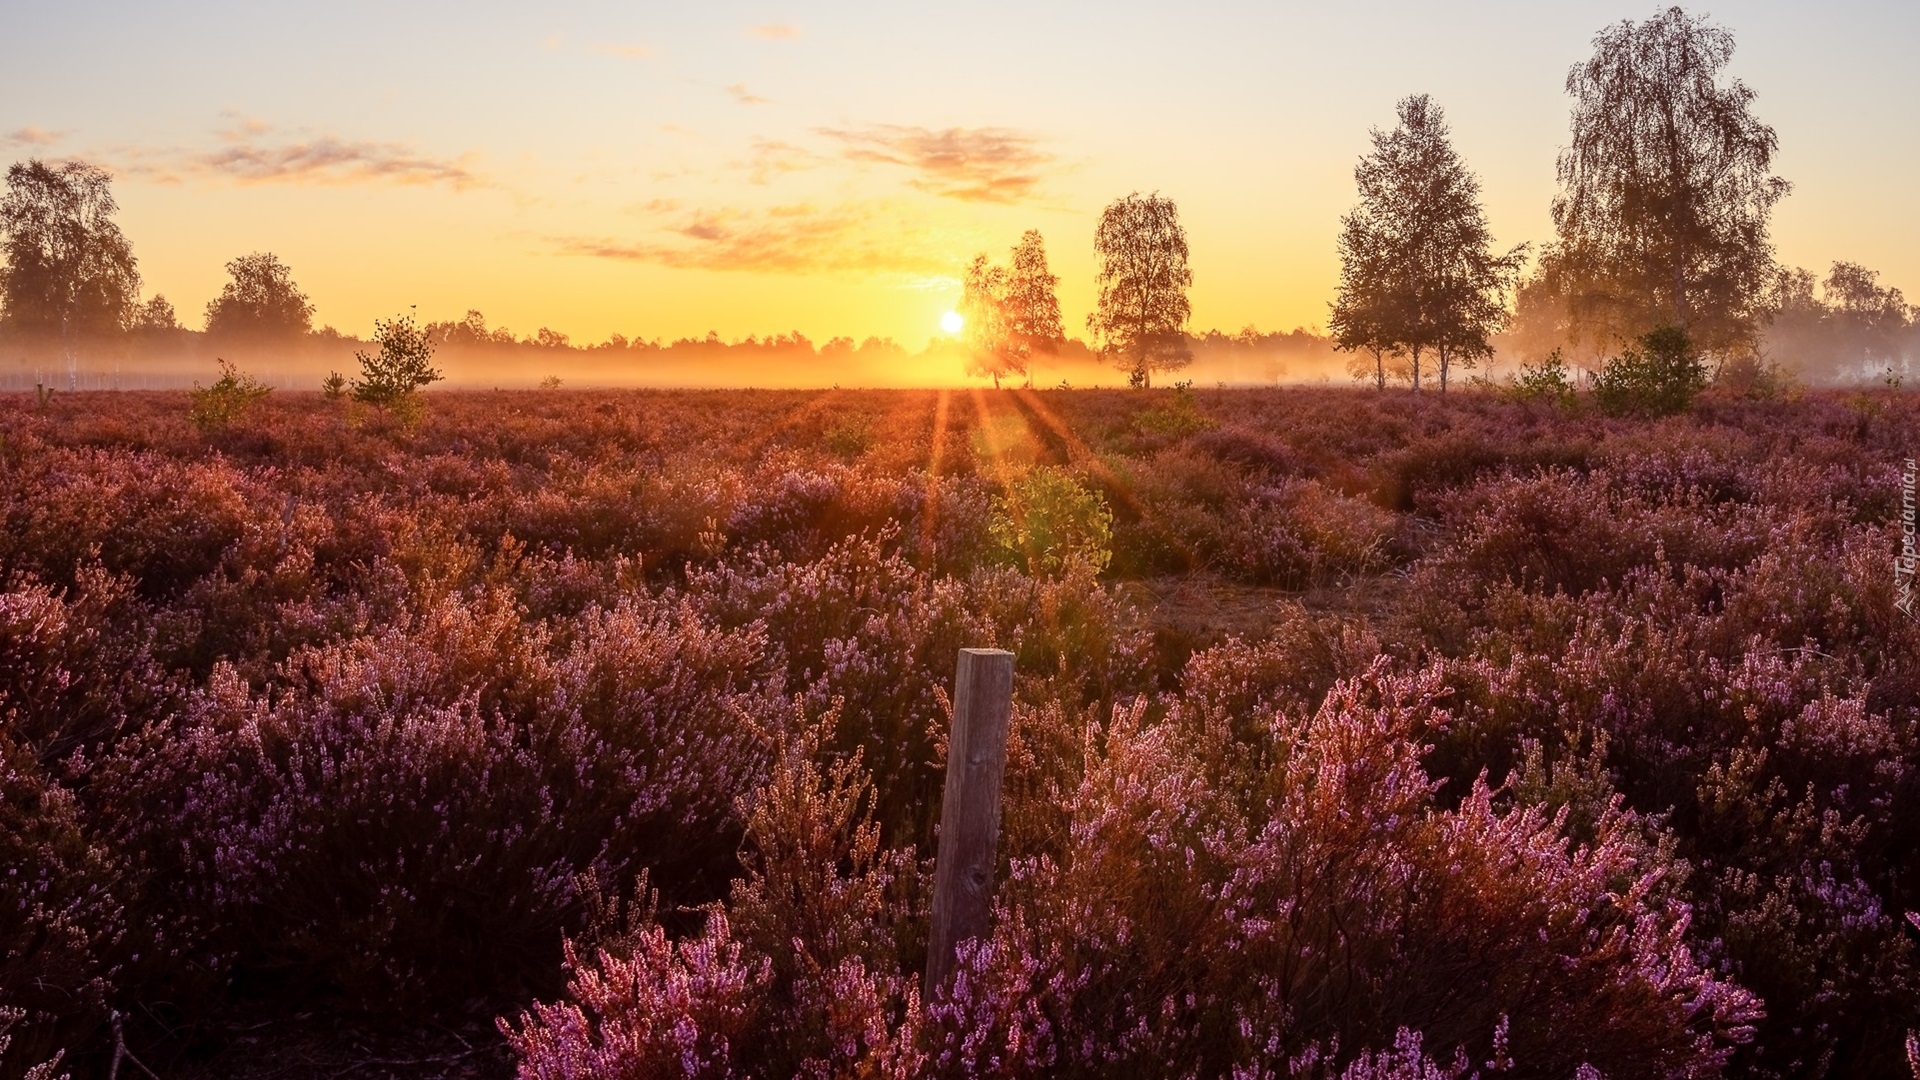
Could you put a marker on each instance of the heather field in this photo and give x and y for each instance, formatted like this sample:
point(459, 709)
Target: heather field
point(602, 734)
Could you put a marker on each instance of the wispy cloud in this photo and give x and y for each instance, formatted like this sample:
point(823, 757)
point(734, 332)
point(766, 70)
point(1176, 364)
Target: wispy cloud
point(744, 96)
point(250, 151)
point(628, 52)
point(776, 32)
point(327, 159)
point(773, 159)
point(34, 135)
point(971, 164)
point(798, 238)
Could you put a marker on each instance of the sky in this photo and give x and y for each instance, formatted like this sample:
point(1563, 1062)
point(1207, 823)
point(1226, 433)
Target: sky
point(662, 170)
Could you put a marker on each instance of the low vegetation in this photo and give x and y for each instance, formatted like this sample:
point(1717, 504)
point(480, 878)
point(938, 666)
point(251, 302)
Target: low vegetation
point(1492, 738)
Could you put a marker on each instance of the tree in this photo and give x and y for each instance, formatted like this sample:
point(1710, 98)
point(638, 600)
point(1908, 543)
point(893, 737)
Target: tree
point(991, 350)
point(391, 377)
point(1010, 312)
point(1418, 272)
point(1033, 310)
point(469, 331)
point(1139, 319)
point(69, 270)
point(1366, 308)
point(1665, 192)
point(227, 400)
point(260, 301)
point(156, 318)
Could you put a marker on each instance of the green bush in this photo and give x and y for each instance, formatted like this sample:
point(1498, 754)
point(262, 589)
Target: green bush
point(391, 377)
point(1049, 521)
point(1546, 381)
point(1660, 376)
point(227, 400)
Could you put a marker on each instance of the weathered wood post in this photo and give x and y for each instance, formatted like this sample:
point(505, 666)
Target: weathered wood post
point(970, 809)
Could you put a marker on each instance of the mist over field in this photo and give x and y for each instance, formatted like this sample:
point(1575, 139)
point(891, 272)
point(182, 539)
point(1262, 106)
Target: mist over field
point(1817, 351)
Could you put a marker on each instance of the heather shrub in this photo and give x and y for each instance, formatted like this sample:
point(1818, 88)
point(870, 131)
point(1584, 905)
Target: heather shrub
point(43, 1071)
point(1180, 416)
point(326, 722)
point(798, 975)
point(62, 914)
point(1299, 533)
point(1191, 928)
point(75, 670)
point(418, 813)
point(161, 522)
point(865, 628)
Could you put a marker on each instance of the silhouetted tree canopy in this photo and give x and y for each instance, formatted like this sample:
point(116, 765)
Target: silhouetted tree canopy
point(1033, 309)
point(1010, 312)
point(1418, 272)
point(259, 300)
point(991, 351)
point(1665, 190)
point(1848, 326)
point(1366, 309)
point(69, 269)
point(156, 316)
point(1139, 319)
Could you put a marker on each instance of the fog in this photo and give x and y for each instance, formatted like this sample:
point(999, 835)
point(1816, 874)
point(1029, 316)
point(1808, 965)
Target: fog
point(1816, 346)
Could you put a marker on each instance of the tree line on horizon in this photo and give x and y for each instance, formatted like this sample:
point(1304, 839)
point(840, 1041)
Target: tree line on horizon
point(1666, 194)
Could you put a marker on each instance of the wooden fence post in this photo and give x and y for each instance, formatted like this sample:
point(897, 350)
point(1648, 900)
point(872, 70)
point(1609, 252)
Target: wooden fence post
point(970, 809)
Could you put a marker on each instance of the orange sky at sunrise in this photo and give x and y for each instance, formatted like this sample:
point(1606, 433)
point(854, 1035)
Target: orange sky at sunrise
point(662, 171)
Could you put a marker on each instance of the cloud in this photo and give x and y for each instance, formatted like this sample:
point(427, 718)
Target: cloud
point(971, 164)
point(773, 159)
point(628, 52)
point(243, 126)
point(248, 151)
point(776, 32)
point(801, 238)
point(34, 135)
point(327, 159)
point(745, 97)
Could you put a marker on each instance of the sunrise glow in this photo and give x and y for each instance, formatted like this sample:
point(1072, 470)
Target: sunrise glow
point(665, 171)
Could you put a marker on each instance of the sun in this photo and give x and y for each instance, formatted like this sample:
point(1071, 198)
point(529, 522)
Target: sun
point(951, 322)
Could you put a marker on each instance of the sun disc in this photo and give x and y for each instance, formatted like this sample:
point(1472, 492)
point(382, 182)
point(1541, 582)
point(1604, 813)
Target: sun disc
point(951, 322)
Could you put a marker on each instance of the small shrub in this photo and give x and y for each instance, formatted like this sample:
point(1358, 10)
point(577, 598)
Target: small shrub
point(1179, 417)
point(1049, 521)
point(849, 436)
point(1755, 379)
point(1546, 381)
point(551, 382)
point(334, 386)
point(227, 400)
point(1659, 377)
point(391, 377)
